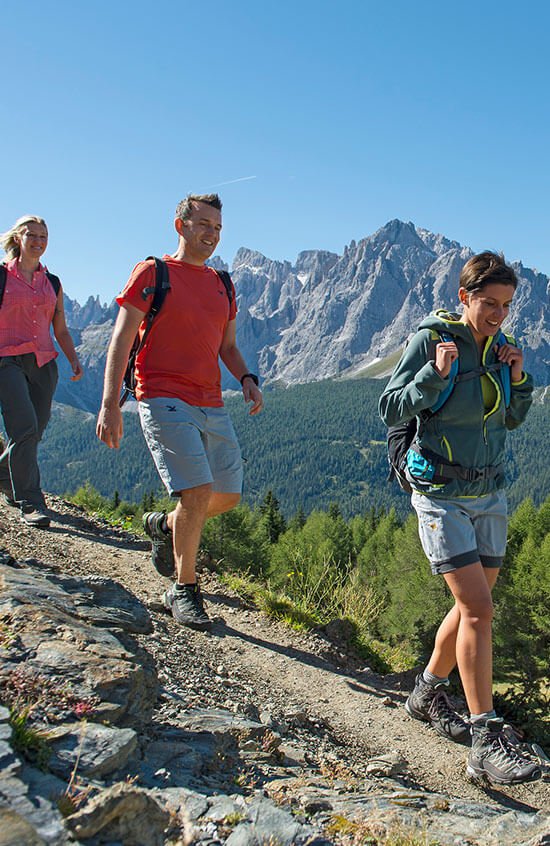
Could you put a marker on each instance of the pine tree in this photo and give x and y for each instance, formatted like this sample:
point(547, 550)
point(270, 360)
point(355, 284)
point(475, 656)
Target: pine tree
point(272, 521)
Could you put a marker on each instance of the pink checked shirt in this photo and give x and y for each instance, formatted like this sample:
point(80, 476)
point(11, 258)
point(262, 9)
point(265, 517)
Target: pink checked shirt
point(26, 315)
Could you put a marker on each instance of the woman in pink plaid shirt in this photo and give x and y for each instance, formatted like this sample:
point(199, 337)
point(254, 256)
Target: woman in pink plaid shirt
point(31, 305)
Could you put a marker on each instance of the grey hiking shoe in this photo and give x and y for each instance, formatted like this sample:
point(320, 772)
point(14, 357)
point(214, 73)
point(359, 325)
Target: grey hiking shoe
point(431, 704)
point(495, 758)
point(162, 551)
point(187, 607)
point(34, 515)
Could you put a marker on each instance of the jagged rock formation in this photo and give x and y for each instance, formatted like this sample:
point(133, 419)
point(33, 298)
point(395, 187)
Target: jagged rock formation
point(329, 315)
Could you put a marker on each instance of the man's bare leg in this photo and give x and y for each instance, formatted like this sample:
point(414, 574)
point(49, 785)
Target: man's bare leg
point(186, 523)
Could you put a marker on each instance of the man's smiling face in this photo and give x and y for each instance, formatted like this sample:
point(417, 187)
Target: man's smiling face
point(201, 231)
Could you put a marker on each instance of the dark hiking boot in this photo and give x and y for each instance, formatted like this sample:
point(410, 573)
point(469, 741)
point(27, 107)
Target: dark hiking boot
point(162, 550)
point(495, 758)
point(8, 496)
point(34, 515)
point(187, 607)
point(431, 704)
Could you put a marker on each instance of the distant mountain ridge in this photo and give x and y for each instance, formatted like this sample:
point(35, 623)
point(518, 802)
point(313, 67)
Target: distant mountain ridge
point(332, 315)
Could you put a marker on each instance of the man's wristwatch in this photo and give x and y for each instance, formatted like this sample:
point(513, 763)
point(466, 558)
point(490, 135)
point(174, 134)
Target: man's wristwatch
point(250, 376)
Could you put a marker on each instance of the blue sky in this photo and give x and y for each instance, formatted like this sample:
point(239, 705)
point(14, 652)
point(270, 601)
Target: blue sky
point(345, 114)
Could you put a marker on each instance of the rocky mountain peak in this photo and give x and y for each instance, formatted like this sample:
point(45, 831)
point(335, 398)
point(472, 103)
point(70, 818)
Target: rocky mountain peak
point(329, 314)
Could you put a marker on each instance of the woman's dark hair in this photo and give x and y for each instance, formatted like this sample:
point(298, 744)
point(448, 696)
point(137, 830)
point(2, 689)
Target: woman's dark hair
point(485, 268)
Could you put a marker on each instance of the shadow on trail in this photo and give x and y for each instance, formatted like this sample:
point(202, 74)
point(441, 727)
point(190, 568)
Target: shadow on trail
point(82, 527)
point(320, 662)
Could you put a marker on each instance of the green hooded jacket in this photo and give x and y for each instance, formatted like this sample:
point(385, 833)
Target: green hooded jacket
point(463, 431)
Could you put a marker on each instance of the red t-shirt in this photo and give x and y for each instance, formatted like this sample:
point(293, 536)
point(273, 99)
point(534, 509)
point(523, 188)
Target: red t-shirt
point(180, 356)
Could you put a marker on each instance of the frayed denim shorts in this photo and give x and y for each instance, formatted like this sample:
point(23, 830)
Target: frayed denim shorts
point(191, 445)
point(457, 532)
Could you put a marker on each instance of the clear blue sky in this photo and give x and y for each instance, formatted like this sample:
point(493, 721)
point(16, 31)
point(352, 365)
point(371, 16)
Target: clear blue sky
point(345, 114)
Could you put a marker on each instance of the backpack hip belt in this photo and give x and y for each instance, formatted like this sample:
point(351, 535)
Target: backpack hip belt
point(432, 468)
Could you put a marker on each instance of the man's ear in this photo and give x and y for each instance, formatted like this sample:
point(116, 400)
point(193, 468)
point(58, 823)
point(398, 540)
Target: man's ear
point(463, 296)
point(179, 224)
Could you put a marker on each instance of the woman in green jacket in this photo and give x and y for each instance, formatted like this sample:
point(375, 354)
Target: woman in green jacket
point(455, 468)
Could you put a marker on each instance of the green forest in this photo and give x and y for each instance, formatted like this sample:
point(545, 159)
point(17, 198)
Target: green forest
point(313, 445)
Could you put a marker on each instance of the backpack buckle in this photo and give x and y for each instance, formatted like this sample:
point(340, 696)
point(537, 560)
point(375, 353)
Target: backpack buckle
point(475, 474)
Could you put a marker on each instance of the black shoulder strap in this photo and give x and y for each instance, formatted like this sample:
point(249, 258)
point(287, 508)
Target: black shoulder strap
point(159, 291)
point(55, 281)
point(3, 275)
point(226, 279)
point(162, 285)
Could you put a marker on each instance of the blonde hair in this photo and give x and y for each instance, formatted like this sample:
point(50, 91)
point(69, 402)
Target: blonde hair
point(9, 242)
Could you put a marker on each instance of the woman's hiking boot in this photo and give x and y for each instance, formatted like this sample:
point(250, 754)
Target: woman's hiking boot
point(34, 515)
point(162, 550)
point(494, 757)
point(430, 703)
point(185, 603)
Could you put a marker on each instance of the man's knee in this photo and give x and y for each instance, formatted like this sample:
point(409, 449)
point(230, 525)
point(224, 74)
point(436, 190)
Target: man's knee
point(231, 500)
point(199, 492)
point(222, 502)
point(195, 500)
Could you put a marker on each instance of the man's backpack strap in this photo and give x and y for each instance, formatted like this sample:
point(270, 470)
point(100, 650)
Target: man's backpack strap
point(226, 279)
point(159, 291)
point(54, 281)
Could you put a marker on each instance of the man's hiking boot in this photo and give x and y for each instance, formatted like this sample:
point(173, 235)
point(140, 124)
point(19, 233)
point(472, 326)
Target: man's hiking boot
point(494, 757)
point(187, 607)
point(162, 550)
point(34, 515)
point(431, 704)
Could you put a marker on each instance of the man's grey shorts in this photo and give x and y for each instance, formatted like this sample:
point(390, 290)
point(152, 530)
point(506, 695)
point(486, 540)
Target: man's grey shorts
point(191, 445)
point(458, 532)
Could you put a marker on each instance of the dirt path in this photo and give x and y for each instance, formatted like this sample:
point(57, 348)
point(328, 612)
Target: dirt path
point(263, 662)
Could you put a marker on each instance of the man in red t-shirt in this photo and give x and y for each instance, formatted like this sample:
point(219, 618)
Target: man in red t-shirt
point(187, 429)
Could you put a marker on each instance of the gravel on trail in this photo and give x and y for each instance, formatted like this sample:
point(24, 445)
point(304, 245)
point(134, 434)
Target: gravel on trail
point(340, 712)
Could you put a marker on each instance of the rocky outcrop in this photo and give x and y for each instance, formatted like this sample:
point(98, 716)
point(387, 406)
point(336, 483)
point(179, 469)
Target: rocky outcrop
point(95, 748)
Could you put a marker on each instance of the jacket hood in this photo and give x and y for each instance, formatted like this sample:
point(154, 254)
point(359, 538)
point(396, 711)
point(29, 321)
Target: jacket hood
point(447, 321)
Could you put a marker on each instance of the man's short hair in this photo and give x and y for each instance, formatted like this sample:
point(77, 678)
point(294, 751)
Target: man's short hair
point(485, 268)
point(185, 207)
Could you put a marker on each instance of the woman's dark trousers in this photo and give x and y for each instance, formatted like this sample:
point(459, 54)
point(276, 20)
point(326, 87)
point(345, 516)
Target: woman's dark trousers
point(26, 393)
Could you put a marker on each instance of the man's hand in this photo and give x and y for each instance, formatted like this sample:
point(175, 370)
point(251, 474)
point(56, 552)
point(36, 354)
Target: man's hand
point(252, 393)
point(512, 355)
point(445, 353)
point(109, 427)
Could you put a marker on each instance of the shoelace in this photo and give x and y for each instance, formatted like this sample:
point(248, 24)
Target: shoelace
point(506, 753)
point(194, 597)
point(530, 752)
point(441, 708)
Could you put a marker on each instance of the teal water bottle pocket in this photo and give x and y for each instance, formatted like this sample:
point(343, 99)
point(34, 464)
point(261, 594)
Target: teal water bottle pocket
point(419, 467)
